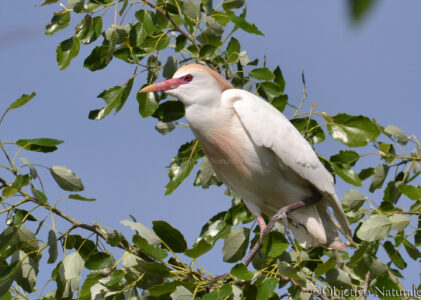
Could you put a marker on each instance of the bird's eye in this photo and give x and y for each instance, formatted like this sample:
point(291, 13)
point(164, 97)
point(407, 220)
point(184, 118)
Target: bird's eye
point(188, 78)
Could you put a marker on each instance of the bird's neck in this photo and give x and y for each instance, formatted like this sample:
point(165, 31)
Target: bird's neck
point(205, 118)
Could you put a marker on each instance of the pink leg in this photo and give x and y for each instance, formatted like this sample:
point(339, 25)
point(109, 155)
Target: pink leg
point(261, 222)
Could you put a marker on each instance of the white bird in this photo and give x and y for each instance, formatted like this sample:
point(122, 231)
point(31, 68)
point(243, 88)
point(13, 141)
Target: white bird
point(255, 150)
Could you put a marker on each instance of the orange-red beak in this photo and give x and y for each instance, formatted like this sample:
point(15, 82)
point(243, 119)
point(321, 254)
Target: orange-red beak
point(166, 85)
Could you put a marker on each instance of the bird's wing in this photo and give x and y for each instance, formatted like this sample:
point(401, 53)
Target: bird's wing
point(269, 128)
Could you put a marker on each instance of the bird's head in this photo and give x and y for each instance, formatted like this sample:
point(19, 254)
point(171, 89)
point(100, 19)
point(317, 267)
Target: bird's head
point(192, 84)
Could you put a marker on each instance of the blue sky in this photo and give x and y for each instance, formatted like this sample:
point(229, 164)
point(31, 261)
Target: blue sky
point(372, 69)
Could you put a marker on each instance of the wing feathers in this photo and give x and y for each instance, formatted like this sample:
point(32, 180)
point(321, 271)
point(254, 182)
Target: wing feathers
point(269, 128)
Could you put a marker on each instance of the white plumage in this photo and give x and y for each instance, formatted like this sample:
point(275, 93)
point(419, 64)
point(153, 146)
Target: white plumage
point(257, 152)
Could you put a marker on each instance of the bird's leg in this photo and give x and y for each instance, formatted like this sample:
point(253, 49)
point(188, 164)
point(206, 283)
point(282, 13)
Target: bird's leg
point(282, 214)
point(259, 244)
point(261, 222)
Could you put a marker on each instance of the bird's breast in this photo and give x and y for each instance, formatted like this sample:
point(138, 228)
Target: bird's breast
point(225, 151)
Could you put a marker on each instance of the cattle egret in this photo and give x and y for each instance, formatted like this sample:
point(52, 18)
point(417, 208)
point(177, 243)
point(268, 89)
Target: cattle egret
point(256, 151)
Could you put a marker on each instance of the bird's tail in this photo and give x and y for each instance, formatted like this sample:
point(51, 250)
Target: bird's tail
point(318, 229)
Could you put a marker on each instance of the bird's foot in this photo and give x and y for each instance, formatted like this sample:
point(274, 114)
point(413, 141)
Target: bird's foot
point(282, 214)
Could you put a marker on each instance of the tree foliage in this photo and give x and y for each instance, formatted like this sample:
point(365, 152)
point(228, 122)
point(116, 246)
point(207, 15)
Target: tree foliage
point(161, 36)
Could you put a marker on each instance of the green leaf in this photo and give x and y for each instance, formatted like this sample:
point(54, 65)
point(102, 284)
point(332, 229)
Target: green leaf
point(366, 173)
point(170, 67)
point(22, 100)
point(181, 293)
point(169, 111)
point(40, 196)
point(353, 131)
point(21, 215)
point(192, 9)
point(66, 179)
point(391, 192)
point(164, 288)
point(376, 227)
point(89, 29)
point(69, 275)
point(325, 267)
point(26, 274)
point(115, 278)
point(52, 244)
point(178, 171)
point(238, 213)
point(262, 74)
point(137, 35)
point(394, 131)
point(46, 2)
point(354, 199)
point(66, 51)
point(413, 192)
point(198, 249)
point(182, 164)
point(170, 236)
point(345, 158)
point(126, 92)
point(143, 231)
point(59, 21)
point(233, 51)
point(99, 58)
point(310, 129)
point(235, 244)
point(232, 4)
point(417, 237)
point(214, 229)
point(347, 174)
point(8, 192)
point(143, 245)
point(10, 270)
point(241, 23)
point(164, 127)
point(39, 145)
point(388, 289)
point(219, 294)
point(112, 98)
point(271, 89)
point(413, 252)
point(21, 181)
point(81, 198)
point(379, 175)
point(212, 34)
point(266, 289)
point(360, 8)
point(280, 102)
point(274, 244)
point(279, 78)
point(206, 176)
point(117, 34)
point(76, 5)
point(32, 170)
point(338, 277)
point(241, 272)
point(180, 42)
point(147, 103)
point(145, 17)
point(394, 255)
point(99, 260)
point(399, 222)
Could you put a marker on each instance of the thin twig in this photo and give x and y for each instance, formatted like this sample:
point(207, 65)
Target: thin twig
point(366, 286)
point(178, 28)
